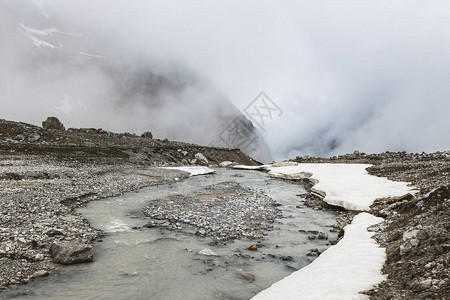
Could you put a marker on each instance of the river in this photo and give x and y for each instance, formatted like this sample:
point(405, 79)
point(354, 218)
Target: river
point(154, 263)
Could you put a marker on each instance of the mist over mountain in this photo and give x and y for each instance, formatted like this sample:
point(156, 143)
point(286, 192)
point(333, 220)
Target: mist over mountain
point(357, 75)
point(56, 66)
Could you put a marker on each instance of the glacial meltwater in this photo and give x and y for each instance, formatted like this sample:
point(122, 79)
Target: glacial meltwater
point(155, 263)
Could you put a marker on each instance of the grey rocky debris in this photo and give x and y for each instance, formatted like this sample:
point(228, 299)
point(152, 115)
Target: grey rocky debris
point(222, 211)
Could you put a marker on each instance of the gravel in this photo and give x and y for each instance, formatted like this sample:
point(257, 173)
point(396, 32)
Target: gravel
point(222, 211)
point(38, 197)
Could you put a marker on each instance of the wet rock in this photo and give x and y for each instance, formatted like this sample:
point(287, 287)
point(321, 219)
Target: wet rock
point(67, 253)
point(246, 276)
point(207, 252)
point(253, 247)
point(40, 273)
point(53, 123)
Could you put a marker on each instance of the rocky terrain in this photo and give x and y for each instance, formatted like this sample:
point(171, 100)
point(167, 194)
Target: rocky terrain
point(416, 228)
point(46, 173)
point(222, 211)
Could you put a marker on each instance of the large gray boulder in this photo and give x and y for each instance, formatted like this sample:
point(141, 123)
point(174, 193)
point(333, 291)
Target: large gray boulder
point(53, 123)
point(73, 252)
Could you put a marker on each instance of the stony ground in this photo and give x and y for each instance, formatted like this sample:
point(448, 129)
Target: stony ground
point(222, 211)
point(46, 174)
point(416, 229)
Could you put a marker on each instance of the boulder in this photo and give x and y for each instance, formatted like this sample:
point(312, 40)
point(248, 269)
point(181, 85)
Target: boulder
point(201, 158)
point(410, 240)
point(73, 252)
point(418, 286)
point(253, 248)
point(226, 164)
point(147, 135)
point(53, 123)
point(246, 276)
point(40, 273)
point(207, 252)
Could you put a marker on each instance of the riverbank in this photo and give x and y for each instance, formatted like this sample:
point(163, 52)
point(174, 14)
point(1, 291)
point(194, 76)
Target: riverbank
point(46, 174)
point(415, 231)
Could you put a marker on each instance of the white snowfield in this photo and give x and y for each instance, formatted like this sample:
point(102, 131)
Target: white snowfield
point(345, 185)
point(194, 170)
point(341, 272)
point(354, 264)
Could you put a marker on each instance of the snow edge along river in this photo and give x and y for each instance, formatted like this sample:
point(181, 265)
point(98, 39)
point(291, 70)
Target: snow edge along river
point(354, 264)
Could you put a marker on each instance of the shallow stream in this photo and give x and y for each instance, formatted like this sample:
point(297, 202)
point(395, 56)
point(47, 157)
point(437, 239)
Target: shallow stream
point(154, 263)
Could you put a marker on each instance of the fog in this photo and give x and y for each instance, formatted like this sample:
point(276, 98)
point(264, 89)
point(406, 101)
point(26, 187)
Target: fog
point(349, 75)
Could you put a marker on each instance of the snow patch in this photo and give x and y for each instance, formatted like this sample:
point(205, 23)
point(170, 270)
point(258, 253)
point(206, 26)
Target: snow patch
point(341, 272)
point(193, 170)
point(244, 167)
point(345, 185)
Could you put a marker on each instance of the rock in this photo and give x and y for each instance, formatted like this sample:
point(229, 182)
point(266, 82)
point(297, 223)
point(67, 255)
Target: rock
point(201, 158)
point(67, 253)
point(207, 252)
point(39, 257)
point(54, 232)
point(246, 276)
point(147, 135)
point(285, 164)
point(410, 241)
point(226, 163)
point(40, 273)
point(253, 247)
point(418, 286)
point(53, 123)
point(323, 236)
point(28, 137)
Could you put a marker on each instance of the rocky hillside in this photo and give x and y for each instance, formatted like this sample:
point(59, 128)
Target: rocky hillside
point(98, 145)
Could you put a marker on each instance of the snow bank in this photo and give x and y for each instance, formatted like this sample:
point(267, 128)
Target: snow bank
point(194, 170)
point(341, 272)
point(244, 167)
point(345, 185)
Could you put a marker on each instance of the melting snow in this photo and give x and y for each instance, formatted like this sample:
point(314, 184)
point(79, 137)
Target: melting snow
point(194, 170)
point(345, 185)
point(341, 272)
point(244, 167)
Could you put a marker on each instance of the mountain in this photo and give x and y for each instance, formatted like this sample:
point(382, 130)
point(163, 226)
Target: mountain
point(53, 66)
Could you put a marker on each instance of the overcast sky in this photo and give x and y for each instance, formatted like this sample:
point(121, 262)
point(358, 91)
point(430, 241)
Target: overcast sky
point(366, 75)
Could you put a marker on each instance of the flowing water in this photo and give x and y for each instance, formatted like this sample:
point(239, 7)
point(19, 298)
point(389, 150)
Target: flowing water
point(153, 263)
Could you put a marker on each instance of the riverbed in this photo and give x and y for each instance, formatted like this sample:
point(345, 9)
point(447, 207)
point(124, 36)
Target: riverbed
point(156, 263)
